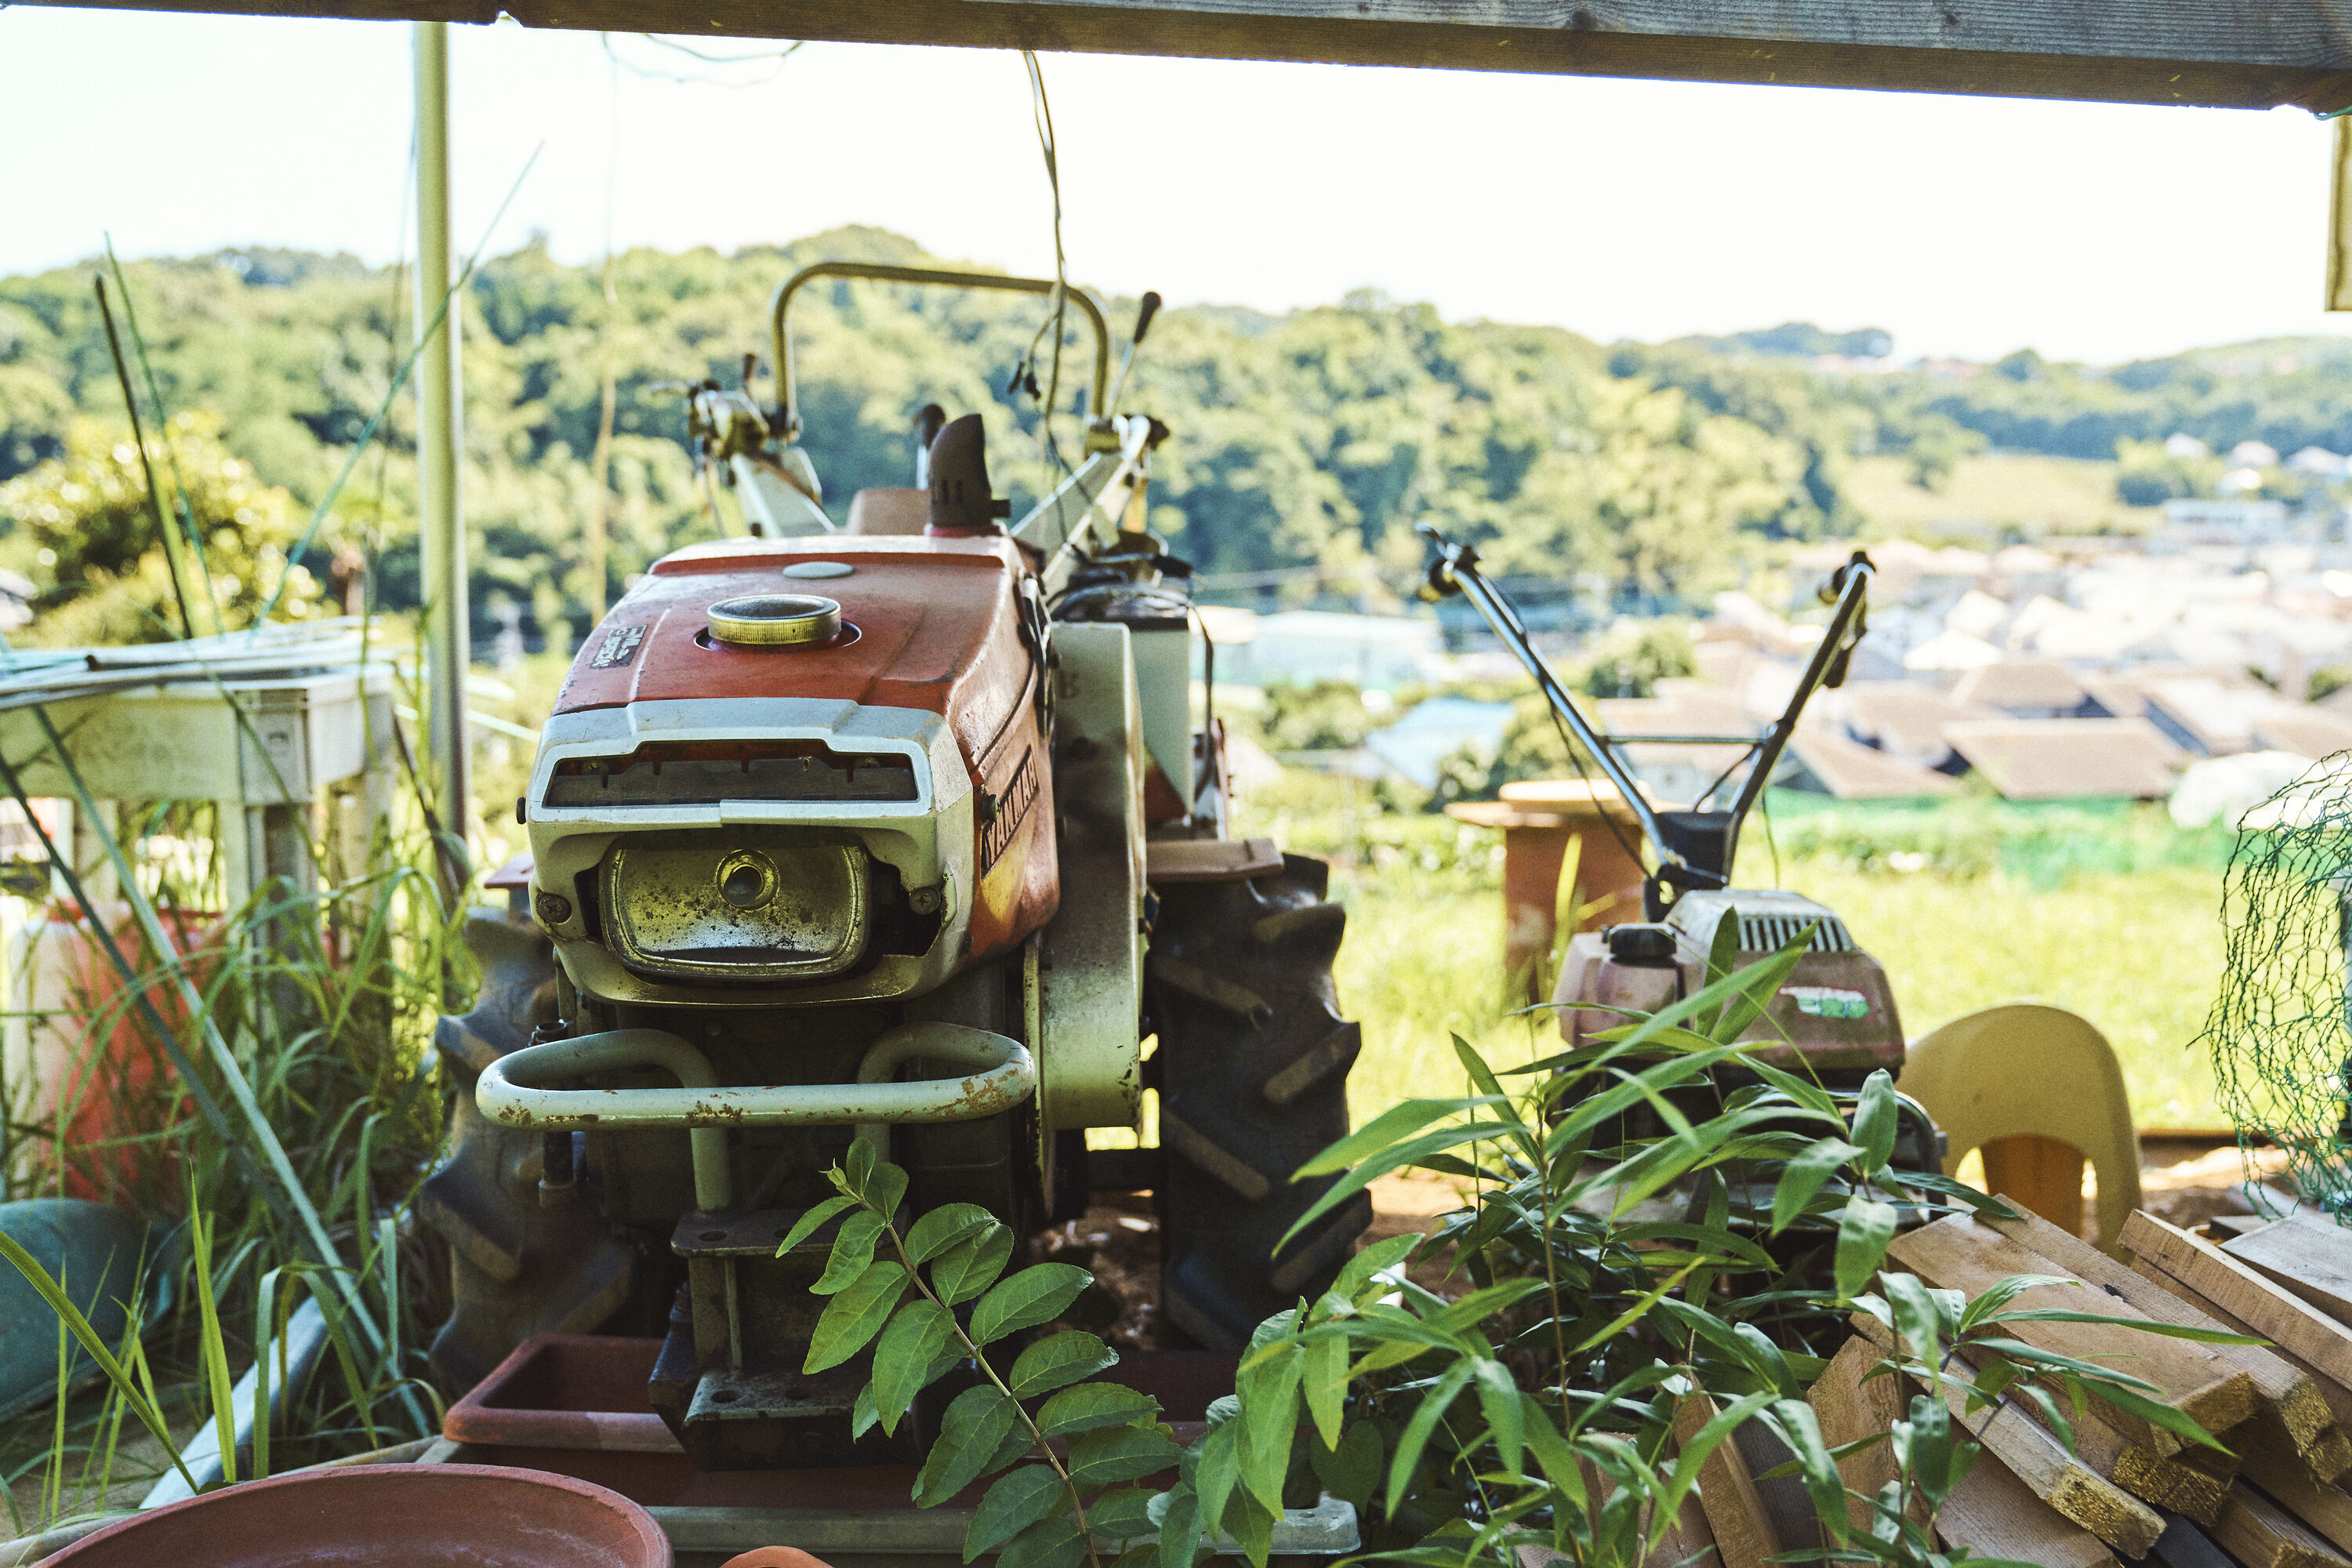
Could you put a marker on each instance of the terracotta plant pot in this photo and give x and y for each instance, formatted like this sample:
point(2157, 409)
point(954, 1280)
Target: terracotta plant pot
point(412, 1516)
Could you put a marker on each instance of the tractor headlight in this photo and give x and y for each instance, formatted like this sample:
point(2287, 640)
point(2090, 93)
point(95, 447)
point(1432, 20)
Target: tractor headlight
point(710, 906)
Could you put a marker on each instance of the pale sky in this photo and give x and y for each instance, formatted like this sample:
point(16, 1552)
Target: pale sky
point(1616, 208)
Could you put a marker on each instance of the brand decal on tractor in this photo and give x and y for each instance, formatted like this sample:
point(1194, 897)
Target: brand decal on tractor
point(620, 646)
point(1007, 812)
point(1827, 1001)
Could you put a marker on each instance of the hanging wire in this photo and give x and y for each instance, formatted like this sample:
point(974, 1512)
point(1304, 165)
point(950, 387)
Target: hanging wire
point(699, 79)
point(1041, 111)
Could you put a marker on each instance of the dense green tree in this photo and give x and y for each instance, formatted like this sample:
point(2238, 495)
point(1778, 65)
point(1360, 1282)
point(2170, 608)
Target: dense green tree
point(102, 569)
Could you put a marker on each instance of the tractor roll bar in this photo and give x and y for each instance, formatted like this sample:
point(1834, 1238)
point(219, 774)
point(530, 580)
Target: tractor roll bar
point(788, 407)
point(511, 1090)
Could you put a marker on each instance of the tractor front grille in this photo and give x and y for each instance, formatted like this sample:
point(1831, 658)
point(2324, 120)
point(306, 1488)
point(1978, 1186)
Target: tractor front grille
point(1771, 933)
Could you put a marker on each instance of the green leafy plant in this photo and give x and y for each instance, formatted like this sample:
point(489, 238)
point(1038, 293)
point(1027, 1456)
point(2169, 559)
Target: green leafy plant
point(931, 1301)
point(1616, 1276)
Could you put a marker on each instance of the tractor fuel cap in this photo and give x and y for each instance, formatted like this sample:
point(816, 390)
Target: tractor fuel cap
point(775, 620)
point(819, 569)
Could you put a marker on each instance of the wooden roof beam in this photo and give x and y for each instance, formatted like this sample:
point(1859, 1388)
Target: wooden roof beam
point(2235, 54)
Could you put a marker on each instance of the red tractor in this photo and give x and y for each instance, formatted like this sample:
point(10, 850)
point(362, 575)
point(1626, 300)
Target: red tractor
point(903, 832)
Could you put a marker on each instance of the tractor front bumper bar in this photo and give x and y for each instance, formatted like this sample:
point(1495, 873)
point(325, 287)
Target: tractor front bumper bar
point(513, 1091)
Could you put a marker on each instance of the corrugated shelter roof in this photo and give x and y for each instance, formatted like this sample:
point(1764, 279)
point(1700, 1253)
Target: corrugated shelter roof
point(2021, 685)
point(2058, 759)
point(1850, 771)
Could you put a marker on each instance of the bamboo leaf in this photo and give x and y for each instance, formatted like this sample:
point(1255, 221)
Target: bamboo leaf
point(1874, 1120)
point(1269, 1399)
point(1412, 1151)
point(1804, 1175)
point(1179, 1526)
point(1498, 1398)
point(1218, 1474)
point(1417, 1429)
point(1386, 1128)
point(1864, 1231)
point(1324, 1374)
point(1351, 1468)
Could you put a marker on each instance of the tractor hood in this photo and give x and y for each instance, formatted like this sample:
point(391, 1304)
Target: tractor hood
point(933, 625)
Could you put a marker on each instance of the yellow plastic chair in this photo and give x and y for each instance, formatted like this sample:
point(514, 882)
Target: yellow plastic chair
point(2038, 1090)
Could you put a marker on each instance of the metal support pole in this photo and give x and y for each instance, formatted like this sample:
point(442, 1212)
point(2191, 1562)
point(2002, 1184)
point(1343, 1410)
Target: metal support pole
point(441, 514)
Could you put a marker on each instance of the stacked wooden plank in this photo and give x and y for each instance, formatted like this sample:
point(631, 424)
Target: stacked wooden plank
point(2279, 1492)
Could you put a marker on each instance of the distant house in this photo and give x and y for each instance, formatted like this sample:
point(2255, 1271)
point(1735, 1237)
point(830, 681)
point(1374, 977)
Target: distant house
point(2062, 759)
point(2023, 688)
point(2318, 461)
point(2306, 731)
point(2206, 717)
point(2253, 455)
point(2215, 521)
point(1821, 760)
point(1378, 653)
point(1902, 719)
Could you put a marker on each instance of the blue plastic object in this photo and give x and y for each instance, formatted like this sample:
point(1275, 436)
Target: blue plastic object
point(100, 1254)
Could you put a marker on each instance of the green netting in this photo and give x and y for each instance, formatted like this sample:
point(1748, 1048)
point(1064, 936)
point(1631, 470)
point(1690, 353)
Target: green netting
point(2281, 1032)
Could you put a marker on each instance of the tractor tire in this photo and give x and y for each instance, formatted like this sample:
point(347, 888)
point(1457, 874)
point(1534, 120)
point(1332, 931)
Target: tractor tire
point(1252, 1069)
point(518, 1268)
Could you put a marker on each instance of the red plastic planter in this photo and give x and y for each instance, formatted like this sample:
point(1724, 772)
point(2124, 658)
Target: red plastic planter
point(418, 1516)
point(581, 1392)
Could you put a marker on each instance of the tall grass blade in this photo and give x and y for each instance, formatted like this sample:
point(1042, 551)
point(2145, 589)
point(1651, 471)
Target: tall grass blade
point(142, 1402)
point(214, 1350)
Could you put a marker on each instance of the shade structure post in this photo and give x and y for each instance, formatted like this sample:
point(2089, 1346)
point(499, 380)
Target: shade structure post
point(441, 517)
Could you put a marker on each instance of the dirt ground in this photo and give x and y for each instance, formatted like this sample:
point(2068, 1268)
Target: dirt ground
point(2184, 1180)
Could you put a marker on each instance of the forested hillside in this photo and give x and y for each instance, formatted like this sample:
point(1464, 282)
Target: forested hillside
point(1310, 440)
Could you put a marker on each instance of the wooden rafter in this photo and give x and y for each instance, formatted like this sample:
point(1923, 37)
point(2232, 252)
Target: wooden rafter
point(2243, 53)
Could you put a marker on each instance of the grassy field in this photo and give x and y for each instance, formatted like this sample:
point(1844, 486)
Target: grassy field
point(2000, 489)
point(2134, 948)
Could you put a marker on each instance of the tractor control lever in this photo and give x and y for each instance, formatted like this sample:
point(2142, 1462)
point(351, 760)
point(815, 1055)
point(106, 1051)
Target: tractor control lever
point(1143, 314)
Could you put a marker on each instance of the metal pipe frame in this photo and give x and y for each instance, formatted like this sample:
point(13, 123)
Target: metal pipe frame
point(440, 413)
point(1851, 595)
point(876, 272)
point(1461, 566)
point(512, 1090)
